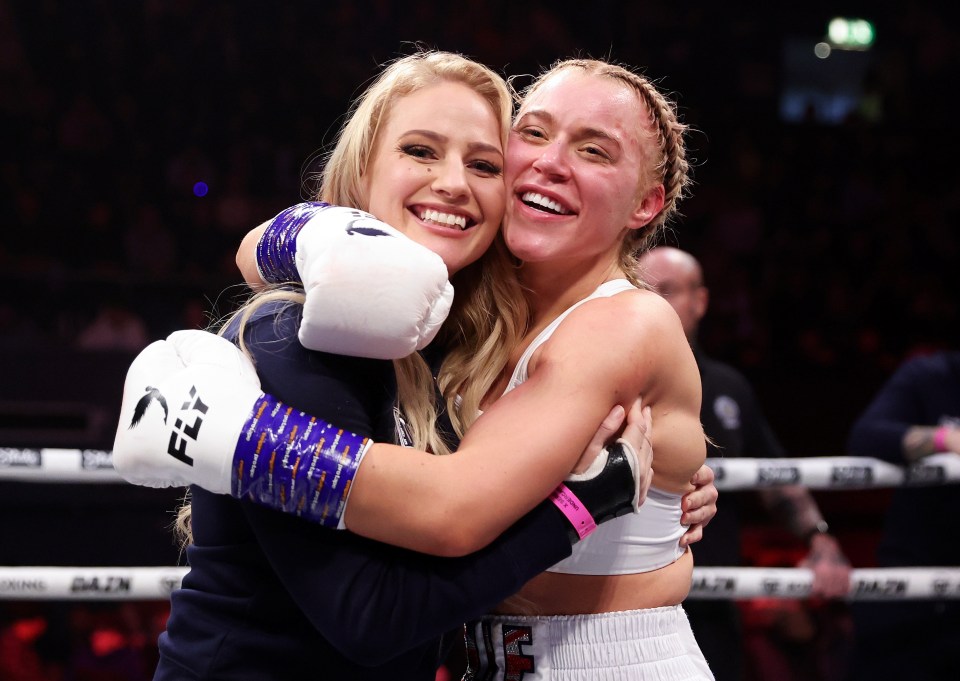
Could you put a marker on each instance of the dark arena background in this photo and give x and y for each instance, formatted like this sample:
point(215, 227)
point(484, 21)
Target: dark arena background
point(141, 140)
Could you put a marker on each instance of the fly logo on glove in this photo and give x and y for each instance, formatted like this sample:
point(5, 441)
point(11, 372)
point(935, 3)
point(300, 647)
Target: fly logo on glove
point(182, 431)
point(144, 404)
point(172, 413)
point(177, 448)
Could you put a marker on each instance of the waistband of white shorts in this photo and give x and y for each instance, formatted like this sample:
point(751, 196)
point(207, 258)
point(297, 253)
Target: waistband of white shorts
point(634, 644)
point(606, 627)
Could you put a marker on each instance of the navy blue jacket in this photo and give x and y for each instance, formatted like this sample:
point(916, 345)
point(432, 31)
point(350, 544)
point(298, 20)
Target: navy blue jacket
point(910, 639)
point(923, 391)
point(270, 596)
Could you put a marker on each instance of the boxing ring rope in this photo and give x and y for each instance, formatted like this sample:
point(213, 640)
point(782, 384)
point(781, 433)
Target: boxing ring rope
point(828, 472)
point(719, 583)
point(833, 472)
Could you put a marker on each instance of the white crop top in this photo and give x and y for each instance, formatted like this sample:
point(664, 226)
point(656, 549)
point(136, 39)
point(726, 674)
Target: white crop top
point(636, 542)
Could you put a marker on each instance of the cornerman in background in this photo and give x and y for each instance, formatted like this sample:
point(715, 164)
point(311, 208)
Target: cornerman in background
point(733, 420)
point(916, 413)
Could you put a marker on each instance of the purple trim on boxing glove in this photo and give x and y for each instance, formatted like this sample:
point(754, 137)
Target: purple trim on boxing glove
point(277, 248)
point(295, 463)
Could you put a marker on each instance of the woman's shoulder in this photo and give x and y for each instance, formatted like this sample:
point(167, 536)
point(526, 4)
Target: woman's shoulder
point(625, 339)
point(632, 336)
point(633, 315)
point(271, 334)
point(270, 320)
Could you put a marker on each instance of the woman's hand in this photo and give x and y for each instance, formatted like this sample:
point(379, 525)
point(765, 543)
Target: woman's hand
point(637, 432)
point(699, 506)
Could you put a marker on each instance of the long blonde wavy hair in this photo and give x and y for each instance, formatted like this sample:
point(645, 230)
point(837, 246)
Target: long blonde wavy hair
point(483, 289)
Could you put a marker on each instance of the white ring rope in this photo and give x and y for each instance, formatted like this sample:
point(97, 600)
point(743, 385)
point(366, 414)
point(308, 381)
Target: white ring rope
point(716, 583)
point(57, 465)
point(834, 472)
point(89, 584)
point(827, 472)
point(884, 584)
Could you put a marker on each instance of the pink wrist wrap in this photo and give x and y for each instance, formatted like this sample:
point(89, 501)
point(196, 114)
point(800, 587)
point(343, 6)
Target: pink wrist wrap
point(571, 507)
point(940, 439)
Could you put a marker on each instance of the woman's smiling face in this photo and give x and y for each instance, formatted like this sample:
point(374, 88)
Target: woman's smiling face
point(576, 161)
point(436, 172)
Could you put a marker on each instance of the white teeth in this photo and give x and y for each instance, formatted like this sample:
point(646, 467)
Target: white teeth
point(541, 200)
point(448, 219)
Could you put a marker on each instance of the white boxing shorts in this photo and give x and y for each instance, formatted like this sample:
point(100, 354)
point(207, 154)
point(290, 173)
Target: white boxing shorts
point(654, 644)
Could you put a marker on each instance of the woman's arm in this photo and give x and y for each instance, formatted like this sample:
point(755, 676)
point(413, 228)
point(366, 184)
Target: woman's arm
point(433, 494)
point(370, 600)
point(247, 257)
point(527, 442)
point(896, 425)
point(194, 413)
point(374, 601)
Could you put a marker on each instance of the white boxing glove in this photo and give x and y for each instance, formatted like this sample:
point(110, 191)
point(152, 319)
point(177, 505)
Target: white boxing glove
point(370, 291)
point(185, 400)
point(193, 413)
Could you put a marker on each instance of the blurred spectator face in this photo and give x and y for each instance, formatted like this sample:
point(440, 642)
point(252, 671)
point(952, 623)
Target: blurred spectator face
point(677, 277)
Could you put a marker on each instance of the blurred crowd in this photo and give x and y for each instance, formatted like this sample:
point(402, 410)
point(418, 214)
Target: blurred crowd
point(144, 138)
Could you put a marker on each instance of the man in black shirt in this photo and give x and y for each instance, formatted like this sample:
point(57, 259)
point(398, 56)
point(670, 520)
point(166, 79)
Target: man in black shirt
point(733, 420)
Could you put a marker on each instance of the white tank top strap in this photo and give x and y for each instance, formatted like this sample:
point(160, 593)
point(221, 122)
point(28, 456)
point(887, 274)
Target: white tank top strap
point(605, 290)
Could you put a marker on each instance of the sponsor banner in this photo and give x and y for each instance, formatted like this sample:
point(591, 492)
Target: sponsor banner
point(20, 458)
point(887, 584)
point(157, 583)
point(53, 465)
point(14, 587)
point(89, 584)
point(777, 475)
point(96, 460)
point(833, 472)
point(851, 476)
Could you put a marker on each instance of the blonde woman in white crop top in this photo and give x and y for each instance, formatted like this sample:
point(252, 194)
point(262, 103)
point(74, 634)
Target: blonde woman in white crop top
point(596, 160)
point(595, 165)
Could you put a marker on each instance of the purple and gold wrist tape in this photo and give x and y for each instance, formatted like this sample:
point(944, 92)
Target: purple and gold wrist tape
point(295, 463)
point(277, 248)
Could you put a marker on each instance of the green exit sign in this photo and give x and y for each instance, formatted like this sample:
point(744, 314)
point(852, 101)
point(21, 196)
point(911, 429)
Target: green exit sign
point(850, 34)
